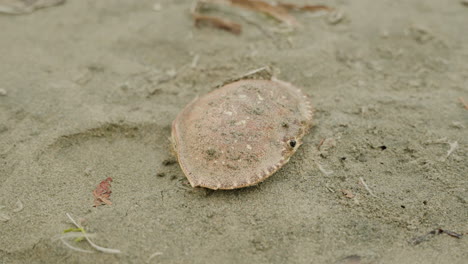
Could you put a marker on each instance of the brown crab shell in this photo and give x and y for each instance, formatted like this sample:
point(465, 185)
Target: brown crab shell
point(240, 134)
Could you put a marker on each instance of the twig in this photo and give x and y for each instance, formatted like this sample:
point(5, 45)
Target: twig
point(153, 255)
point(367, 187)
point(438, 231)
point(453, 147)
point(321, 143)
point(74, 235)
point(195, 61)
point(217, 22)
point(329, 189)
point(74, 248)
point(310, 8)
point(99, 248)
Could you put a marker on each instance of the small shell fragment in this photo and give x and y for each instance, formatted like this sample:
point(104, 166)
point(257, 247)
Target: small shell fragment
point(240, 134)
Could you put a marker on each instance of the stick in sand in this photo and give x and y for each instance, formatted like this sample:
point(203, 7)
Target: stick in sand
point(367, 187)
point(153, 255)
point(86, 236)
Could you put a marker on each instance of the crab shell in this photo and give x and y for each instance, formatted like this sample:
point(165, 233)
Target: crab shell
point(240, 134)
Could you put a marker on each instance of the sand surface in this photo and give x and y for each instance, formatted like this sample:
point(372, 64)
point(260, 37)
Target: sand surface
point(89, 90)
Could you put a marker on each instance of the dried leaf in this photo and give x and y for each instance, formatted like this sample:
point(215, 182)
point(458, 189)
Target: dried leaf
point(102, 193)
point(217, 22)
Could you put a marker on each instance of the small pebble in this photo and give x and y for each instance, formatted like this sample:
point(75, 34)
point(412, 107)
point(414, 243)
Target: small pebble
point(3, 92)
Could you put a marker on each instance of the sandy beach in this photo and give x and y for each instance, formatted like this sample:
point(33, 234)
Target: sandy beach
point(89, 90)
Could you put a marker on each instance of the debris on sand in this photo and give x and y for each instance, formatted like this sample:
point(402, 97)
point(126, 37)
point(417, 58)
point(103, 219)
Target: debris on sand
point(279, 11)
point(102, 193)
point(216, 22)
point(153, 255)
point(3, 92)
point(309, 8)
point(347, 193)
point(438, 231)
point(352, 259)
point(453, 147)
point(79, 234)
point(20, 7)
point(367, 187)
point(326, 145)
point(276, 11)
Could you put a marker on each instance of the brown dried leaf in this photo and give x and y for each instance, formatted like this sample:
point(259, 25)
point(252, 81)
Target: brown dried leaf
point(217, 22)
point(102, 193)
